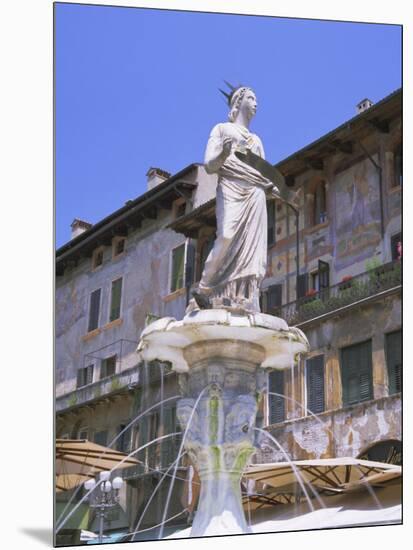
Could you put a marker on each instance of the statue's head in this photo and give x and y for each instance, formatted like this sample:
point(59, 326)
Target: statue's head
point(243, 100)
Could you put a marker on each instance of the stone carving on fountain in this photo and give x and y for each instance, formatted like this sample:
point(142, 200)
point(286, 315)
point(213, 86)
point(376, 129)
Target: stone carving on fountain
point(224, 346)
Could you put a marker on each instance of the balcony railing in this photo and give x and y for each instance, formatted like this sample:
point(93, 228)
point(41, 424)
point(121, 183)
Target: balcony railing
point(351, 290)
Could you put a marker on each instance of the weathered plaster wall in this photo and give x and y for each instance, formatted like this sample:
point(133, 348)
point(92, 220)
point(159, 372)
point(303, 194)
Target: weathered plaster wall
point(343, 431)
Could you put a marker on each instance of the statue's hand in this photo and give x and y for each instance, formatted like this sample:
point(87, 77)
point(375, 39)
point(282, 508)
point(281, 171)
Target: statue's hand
point(226, 147)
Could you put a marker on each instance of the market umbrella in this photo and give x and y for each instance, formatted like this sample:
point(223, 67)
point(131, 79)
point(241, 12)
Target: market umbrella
point(79, 459)
point(334, 475)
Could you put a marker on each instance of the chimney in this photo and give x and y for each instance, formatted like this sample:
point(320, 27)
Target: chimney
point(156, 176)
point(363, 105)
point(79, 227)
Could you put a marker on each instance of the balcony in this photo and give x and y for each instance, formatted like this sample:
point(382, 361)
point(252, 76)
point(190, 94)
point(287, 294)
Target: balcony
point(122, 381)
point(386, 277)
point(156, 458)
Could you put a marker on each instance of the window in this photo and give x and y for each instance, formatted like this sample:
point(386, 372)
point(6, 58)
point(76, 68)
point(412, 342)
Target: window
point(356, 373)
point(302, 285)
point(396, 247)
point(178, 268)
point(101, 437)
point(205, 250)
point(274, 299)
point(320, 204)
point(315, 384)
point(180, 210)
point(83, 433)
point(389, 451)
point(394, 361)
point(271, 222)
point(85, 376)
point(398, 166)
point(108, 367)
point(320, 279)
point(118, 246)
point(97, 258)
point(276, 403)
point(123, 444)
point(94, 309)
point(115, 299)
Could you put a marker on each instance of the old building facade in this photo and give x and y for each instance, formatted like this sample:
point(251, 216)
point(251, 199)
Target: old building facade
point(343, 399)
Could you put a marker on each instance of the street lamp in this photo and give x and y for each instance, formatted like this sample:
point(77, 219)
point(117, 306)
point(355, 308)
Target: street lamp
point(105, 497)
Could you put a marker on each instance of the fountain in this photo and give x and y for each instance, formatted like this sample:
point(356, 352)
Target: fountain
point(223, 347)
point(226, 355)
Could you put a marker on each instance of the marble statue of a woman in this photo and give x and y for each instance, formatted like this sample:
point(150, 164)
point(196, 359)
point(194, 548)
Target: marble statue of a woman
point(237, 262)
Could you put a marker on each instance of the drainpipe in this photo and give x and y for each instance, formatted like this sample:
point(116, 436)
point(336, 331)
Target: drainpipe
point(380, 173)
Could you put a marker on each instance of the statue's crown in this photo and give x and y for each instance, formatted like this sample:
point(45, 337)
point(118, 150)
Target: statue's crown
point(232, 89)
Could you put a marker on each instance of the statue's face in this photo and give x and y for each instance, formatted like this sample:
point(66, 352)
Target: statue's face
point(249, 104)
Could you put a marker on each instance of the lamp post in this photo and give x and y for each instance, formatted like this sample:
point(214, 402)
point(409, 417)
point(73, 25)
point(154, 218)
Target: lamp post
point(105, 497)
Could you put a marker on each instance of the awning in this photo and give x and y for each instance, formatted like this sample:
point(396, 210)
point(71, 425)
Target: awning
point(333, 475)
point(79, 459)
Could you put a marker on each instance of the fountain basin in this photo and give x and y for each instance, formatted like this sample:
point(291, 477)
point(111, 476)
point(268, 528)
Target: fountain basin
point(167, 339)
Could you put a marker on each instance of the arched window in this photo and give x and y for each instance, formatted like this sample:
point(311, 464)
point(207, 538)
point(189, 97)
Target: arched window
point(389, 451)
point(320, 204)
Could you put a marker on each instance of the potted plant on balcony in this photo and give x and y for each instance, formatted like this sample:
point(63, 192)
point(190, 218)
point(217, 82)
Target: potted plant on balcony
point(346, 282)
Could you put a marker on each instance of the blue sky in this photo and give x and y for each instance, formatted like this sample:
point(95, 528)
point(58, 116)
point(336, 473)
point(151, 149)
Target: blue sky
point(139, 87)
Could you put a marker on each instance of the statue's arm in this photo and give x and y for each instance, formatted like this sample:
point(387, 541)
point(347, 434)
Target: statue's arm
point(217, 151)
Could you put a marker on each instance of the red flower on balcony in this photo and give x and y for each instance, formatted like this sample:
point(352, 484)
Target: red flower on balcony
point(310, 292)
point(346, 278)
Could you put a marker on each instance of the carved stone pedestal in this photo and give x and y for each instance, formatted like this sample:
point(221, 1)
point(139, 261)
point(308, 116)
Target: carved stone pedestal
point(221, 358)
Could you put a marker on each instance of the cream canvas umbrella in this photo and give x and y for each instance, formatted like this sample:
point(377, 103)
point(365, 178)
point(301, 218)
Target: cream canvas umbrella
point(79, 459)
point(333, 475)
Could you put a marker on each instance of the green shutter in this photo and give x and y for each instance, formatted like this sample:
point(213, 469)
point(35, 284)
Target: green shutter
point(394, 361)
point(274, 298)
point(315, 384)
point(178, 262)
point(94, 310)
point(356, 373)
point(275, 402)
point(116, 296)
point(302, 285)
point(271, 222)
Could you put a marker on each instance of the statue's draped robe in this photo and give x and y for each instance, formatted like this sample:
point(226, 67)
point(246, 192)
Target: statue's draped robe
point(237, 262)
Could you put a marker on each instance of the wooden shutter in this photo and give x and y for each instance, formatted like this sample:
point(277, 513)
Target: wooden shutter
point(271, 222)
point(190, 264)
point(394, 240)
point(302, 285)
point(275, 402)
point(94, 310)
point(89, 374)
point(315, 384)
point(356, 373)
point(116, 296)
point(178, 262)
point(108, 366)
point(79, 382)
point(274, 298)
point(394, 361)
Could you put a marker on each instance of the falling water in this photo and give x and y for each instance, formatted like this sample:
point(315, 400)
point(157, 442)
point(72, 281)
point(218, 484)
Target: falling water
point(292, 372)
point(297, 473)
point(159, 524)
point(109, 446)
point(168, 498)
point(69, 515)
point(136, 530)
point(323, 424)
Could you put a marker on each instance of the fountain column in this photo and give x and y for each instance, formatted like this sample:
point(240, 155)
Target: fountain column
point(225, 356)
